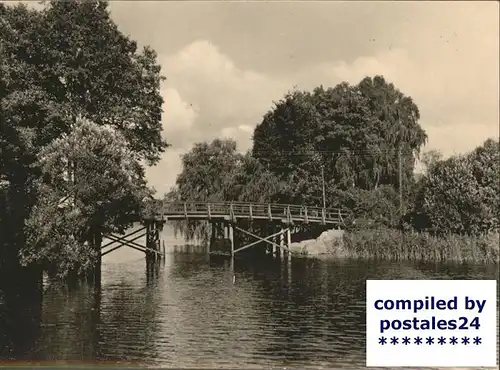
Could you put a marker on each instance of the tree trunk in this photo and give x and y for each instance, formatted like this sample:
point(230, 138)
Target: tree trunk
point(95, 241)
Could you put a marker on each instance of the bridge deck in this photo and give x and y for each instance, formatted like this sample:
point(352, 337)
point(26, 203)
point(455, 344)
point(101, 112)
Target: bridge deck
point(286, 213)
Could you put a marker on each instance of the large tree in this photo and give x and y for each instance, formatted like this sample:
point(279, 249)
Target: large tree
point(66, 60)
point(217, 172)
point(70, 59)
point(355, 133)
point(75, 206)
point(207, 172)
point(252, 182)
point(462, 193)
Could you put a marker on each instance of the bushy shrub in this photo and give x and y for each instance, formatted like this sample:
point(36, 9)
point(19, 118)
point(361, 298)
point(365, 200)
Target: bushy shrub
point(369, 208)
point(461, 194)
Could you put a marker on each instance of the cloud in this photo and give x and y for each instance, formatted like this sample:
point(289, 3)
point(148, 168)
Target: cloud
point(225, 96)
point(241, 134)
point(459, 110)
point(178, 119)
point(207, 95)
point(224, 72)
point(162, 176)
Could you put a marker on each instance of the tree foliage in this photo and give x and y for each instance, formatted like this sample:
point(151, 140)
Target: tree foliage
point(207, 170)
point(217, 172)
point(251, 182)
point(430, 159)
point(368, 208)
point(68, 60)
point(91, 181)
point(346, 138)
point(353, 135)
point(462, 193)
point(354, 132)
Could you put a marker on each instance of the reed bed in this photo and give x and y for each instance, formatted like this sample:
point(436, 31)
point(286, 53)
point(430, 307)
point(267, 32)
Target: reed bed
point(391, 244)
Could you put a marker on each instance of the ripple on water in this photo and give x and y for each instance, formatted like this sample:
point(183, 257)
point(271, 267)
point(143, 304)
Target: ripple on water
point(192, 315)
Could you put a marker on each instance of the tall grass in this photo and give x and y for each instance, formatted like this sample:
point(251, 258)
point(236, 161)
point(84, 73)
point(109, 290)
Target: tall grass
point(391, 244)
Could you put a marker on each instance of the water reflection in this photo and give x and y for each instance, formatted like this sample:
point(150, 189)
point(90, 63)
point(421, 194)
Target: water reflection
point(73, 322)
point(129, 310)
point(189, 312)
point(20, 318)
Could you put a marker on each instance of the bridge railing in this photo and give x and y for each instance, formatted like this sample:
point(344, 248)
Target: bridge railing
point(254, 210)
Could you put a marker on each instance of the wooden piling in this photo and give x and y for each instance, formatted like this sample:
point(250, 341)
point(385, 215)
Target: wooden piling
point(231, 237)
point(152, 241)
point(156, 242)
point(289, 242)
point(282, 243)
point(269, 248)
point(276, 240)
point(289, 273)
point(148, 241)
point(213, 235)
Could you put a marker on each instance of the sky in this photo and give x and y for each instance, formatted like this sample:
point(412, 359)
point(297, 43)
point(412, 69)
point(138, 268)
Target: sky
point(226, 62)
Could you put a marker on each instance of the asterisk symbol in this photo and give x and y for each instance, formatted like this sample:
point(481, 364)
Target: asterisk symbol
point(418, 340)
point(394, 340)
point(382, 340)
point(430, 340)
point(465, 340)
point(441, 340)
point(477, 341)
point(453, 340)
point(406, 340)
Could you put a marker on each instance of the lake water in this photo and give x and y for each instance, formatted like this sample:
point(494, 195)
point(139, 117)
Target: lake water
point(192, 312)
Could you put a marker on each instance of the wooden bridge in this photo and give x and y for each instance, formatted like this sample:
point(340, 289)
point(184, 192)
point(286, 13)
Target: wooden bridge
point(225, 218)
point(232, 211)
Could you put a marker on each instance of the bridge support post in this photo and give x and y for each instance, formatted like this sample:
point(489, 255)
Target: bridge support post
point(213, 235)
point(281, 252)
point(152, 241)
point(268, 249)
point(272, 248)
point(149, 229)
point(226, 236)
point(158, 228)
point(231, 237)
point(163, 250)
point(289, 242)
point(289, 273)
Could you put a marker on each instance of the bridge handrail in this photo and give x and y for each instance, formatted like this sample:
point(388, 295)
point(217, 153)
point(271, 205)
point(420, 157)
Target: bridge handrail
point(281, 205)
point(202, 207)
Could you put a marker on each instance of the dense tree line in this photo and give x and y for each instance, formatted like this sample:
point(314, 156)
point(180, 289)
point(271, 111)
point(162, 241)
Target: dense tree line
point(460, 194)
point(363, 141)
point(80, 118)
point(354, 132)
point(66, 61)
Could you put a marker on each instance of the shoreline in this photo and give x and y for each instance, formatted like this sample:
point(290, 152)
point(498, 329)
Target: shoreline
point(387, 244)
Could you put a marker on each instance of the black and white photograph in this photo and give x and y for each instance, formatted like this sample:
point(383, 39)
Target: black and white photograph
point(212, 184)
